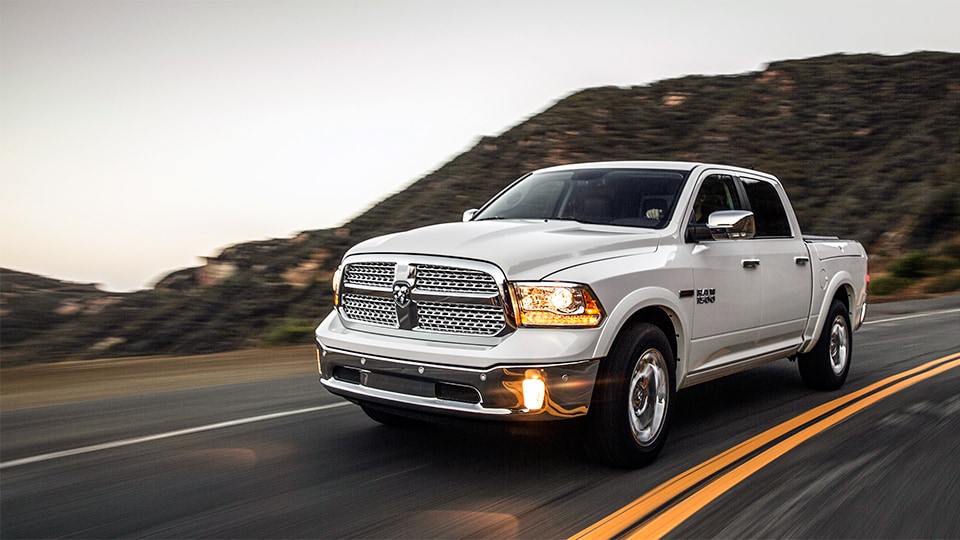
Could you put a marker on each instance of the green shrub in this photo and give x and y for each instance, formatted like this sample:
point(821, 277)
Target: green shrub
point(291, 332)
point(921, 265)
point(912, 266)
point(937, 266)
point(943, 284)
point(951, 249)
point(887, 285)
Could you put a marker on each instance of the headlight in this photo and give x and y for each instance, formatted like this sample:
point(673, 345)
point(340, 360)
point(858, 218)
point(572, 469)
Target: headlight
point(336, 285)
point(556, 304)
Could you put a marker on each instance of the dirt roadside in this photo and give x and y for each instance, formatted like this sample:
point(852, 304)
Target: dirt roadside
point(64, 382)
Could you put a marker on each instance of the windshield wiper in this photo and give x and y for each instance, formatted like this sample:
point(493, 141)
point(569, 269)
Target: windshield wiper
point(496, 218)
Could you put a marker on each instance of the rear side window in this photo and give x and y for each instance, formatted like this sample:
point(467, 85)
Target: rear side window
point(771, 218)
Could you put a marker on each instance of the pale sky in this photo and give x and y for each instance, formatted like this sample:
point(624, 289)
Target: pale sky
point(137, 136)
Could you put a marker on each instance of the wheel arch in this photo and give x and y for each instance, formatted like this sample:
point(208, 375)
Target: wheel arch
point(846, 295)
point(842, 289)
point(657, 310)
point(658, 316)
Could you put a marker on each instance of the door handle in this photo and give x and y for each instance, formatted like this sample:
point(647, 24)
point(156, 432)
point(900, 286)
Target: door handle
point(750, 263)
point(801, 261)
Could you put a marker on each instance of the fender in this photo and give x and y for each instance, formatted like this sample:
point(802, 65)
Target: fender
point(648, 297)
point(840, 280)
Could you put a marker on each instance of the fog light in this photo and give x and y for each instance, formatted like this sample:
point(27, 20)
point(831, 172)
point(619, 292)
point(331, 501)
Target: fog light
point(534, 391)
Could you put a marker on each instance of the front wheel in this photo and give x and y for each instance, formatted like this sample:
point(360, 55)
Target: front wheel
point(633, 399)
point(827, 365)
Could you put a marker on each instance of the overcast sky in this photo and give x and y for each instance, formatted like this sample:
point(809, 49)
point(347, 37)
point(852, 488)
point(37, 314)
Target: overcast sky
point(137, 136)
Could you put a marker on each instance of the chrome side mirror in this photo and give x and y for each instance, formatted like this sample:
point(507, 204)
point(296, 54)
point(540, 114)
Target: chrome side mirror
point(732, 225)
point(468, 215)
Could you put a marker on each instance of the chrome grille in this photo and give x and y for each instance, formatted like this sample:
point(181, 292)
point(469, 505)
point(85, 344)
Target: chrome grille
point(379, 310)
point(447, 279)
point(377, 275)
point(435, 298)
point(451, 318)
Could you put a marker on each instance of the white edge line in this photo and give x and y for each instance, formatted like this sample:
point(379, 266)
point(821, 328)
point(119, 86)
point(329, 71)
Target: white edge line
point(914, 316)
point(159, 436)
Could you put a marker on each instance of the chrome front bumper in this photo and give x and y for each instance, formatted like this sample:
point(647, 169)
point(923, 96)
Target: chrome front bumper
point(489, 393)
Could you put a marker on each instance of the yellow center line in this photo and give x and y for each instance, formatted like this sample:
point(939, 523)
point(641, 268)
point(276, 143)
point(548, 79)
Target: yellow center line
point(665, 522)
point(623, 519)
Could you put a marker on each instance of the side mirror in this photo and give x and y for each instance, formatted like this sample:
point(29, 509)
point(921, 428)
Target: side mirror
point(732, 225)
point(468, 215)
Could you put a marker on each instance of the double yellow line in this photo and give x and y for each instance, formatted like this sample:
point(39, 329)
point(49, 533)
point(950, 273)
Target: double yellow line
point(668, 505)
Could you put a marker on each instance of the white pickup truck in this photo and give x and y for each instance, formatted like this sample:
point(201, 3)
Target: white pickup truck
point(594, 290)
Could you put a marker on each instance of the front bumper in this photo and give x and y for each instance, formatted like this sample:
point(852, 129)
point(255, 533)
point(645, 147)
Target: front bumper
point(469, 392)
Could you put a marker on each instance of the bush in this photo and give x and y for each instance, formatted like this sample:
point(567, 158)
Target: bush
point(887, 285)
point(922, 265)
point(291, 332)
point(912, 266)
point(944, 284)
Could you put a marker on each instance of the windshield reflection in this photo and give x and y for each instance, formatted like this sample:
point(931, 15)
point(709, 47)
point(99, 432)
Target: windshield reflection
point(627, 197)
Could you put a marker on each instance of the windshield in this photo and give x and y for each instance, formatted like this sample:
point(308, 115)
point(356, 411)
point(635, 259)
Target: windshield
point(628, 197)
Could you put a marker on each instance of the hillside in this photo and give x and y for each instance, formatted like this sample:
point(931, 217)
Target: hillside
point(867, 146)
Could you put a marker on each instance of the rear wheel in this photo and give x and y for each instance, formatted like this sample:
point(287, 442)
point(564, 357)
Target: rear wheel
point(827, 365)
point(633, 399)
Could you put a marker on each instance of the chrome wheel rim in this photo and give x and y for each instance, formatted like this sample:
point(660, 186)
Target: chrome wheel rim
point(648, 396)
point(839, 345)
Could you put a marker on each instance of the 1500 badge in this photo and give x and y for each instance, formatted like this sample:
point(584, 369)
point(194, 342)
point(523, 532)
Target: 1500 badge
point(706, 296)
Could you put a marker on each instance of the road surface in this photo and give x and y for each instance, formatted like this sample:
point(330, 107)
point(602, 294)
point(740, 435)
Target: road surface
point(753, 455)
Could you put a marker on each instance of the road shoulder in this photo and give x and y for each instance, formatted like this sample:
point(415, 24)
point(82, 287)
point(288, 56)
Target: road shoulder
point(66, 382)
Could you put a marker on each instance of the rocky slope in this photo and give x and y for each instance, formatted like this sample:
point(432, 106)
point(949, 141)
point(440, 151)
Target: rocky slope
point(867, 146)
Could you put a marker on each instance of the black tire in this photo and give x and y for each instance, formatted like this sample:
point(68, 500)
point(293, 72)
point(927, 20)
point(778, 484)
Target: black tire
point(827, 365)
point(633, 399)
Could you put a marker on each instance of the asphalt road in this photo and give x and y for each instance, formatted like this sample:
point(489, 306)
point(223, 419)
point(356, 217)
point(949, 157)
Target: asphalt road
point(282, 458)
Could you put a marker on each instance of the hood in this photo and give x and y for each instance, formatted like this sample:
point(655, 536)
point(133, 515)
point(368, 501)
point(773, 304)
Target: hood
point(523, 249)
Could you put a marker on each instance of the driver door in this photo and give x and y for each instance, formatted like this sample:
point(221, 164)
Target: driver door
point(727, 284)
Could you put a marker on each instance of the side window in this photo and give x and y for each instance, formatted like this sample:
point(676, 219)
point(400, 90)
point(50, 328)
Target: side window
point(718, 192)
point(771, 218)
